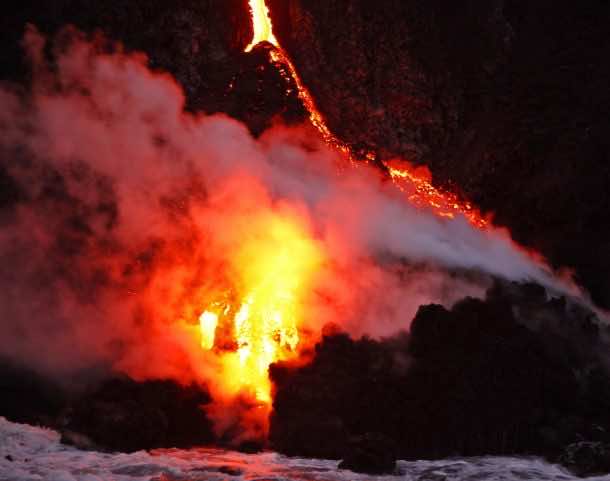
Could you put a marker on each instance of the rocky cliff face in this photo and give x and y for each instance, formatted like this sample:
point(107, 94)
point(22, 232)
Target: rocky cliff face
point(186, 37)
point(386, 74)
point(506, 100)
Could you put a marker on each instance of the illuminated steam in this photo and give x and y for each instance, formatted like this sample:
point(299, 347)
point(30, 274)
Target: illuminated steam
point(132, 219)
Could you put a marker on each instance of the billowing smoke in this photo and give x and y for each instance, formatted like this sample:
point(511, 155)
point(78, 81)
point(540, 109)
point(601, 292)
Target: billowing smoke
point(124, 211)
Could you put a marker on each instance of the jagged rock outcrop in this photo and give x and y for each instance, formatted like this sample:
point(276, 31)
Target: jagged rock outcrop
point(586, 458)
point(472, 380)
point(371, 453)
point(124, 415)
point(27, 396)
point(118, 414)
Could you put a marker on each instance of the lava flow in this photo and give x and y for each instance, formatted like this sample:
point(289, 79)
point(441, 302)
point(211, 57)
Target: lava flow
point(413, 181)
point(263, 31)
point(259, 322)
point(262, 320)
point(416, 184)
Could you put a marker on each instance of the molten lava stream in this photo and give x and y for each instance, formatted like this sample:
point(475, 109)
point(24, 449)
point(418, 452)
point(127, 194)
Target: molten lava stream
point(273, 270)
point(256, 322)
point(414, 182)
point(261, 24)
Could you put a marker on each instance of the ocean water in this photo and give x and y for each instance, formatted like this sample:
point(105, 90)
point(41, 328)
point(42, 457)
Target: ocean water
point(29, 453)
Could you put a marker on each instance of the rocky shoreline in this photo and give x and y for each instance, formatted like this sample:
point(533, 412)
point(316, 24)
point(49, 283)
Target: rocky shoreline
point(518, 373)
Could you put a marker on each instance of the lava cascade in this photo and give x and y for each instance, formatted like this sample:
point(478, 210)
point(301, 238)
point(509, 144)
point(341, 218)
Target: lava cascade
point(263, 322)
point(259, 324)
point(415, 182)
point(263, 31)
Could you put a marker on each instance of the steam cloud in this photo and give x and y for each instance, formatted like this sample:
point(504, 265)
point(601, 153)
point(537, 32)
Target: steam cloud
point(126, 207)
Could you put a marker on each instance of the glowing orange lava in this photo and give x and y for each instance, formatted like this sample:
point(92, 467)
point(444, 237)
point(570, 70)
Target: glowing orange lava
point(262, 316)
point(273, 270)
point(287, 70)
point(416, 184)
point(261, 24)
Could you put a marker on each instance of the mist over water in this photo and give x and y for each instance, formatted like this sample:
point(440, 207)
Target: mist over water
point(37, 452)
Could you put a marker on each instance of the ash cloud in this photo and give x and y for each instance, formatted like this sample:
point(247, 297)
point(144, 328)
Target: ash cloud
point(124, 209)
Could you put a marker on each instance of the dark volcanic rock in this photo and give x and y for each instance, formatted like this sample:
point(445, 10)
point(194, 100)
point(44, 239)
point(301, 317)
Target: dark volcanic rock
point(185, 37)
point(481, 92)
point(200, 42)
point(370, 454)
point(587, 458)
point(472, 380)
point(27, 397)
point(351, 388)
point(124, 415)
point(78, 440)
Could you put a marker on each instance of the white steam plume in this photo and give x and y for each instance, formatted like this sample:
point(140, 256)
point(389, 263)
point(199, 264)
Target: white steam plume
point(126, 204)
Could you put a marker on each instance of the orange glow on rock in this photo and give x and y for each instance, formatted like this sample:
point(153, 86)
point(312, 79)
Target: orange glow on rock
point(416, 183)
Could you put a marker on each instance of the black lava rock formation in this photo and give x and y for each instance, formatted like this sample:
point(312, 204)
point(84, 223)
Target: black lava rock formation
point(472, 380)
point(124, 415)
point(369, 454)
point(586, 458)
point(28, 397)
